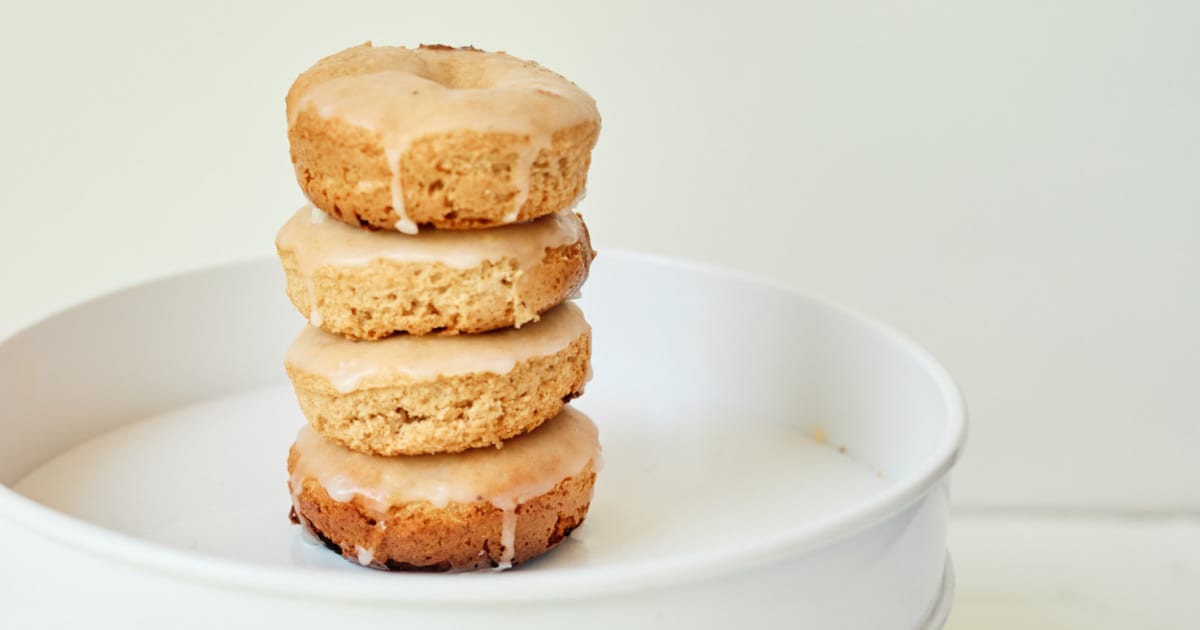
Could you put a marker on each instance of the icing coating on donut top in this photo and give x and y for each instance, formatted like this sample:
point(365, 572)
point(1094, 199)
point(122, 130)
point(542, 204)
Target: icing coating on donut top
point(403, 94)
point(351, 365)
point(526, 467)
point(318, 241)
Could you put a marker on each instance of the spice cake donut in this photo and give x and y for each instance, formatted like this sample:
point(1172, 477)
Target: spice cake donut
point(408, 395)
point(454, 138)
point(481, 508)
point(370, 285)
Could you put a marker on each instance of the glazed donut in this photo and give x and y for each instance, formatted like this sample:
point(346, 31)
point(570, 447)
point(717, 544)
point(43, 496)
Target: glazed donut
point(483, 508)
point(454, 138)
point(370, 285)
point(409, 395)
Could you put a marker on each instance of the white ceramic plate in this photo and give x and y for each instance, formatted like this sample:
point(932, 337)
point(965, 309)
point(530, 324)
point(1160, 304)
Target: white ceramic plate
point(151, 427)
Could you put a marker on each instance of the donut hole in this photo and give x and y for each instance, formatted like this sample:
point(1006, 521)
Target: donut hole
point(455, 74)
point(450, 69)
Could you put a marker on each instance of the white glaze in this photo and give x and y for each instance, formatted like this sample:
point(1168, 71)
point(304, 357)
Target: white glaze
point(317, 242)
point(403, 94)
point(526, 467)
point(351, 365)
point(508, 539)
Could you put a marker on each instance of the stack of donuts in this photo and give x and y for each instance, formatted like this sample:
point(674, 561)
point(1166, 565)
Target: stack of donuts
point(434, 265)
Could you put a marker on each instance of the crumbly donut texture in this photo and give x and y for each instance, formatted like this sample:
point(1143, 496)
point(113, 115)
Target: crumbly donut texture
point(453, 181)
point(459, 537)
point(472, 174)
point(387, 297)
point(448, 414)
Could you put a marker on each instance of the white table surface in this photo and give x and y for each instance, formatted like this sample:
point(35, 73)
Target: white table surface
point(1012, 183)
point(1075, 572)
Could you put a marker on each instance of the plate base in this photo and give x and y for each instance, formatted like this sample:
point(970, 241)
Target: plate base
point(219, 483)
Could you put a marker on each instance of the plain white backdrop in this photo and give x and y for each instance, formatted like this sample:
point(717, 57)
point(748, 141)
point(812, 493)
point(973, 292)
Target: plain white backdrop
point(1016, 185)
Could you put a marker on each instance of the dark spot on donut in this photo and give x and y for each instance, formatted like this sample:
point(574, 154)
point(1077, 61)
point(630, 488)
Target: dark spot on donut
point(570, 396)
point(439, 567)
point(562, 528)
point(445, 47)
point(436, 184)
point(329, 544)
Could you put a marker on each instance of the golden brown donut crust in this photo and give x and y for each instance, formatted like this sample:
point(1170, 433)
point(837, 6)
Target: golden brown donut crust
point(385, 297)
point(460, 537)
point(449, 414)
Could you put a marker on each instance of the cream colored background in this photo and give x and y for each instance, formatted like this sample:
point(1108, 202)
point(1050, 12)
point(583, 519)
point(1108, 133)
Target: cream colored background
point(1014, 184)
